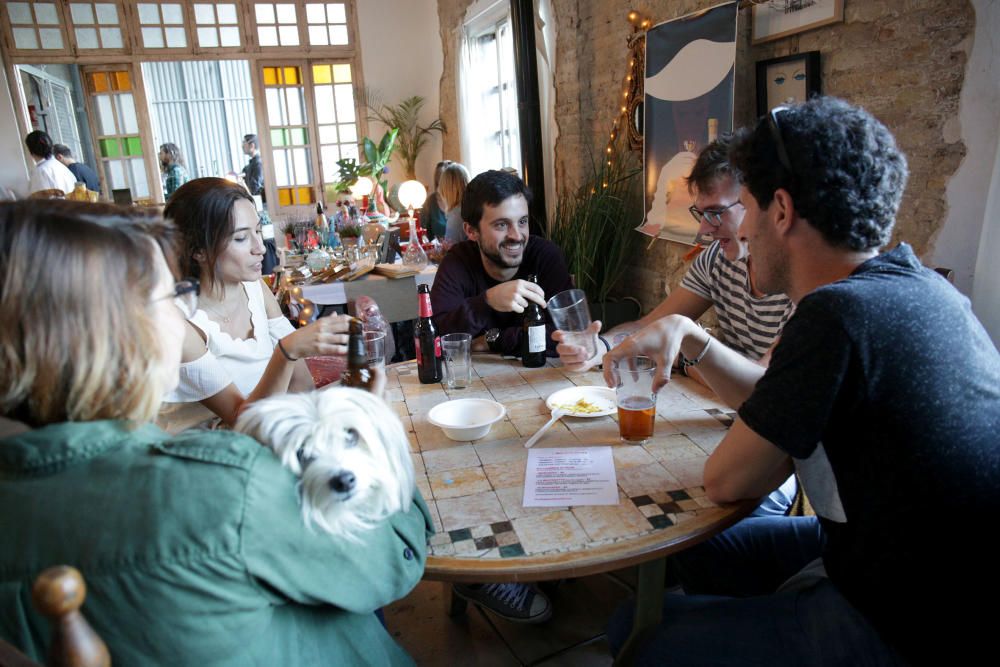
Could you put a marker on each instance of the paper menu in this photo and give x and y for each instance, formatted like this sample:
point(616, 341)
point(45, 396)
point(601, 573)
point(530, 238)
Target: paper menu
point(570, 476)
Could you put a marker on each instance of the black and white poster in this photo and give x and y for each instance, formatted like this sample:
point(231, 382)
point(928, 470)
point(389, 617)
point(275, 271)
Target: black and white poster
point(689, 87)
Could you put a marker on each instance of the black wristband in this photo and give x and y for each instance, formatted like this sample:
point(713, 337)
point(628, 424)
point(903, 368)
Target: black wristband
point(605, 341)
point(285, 352)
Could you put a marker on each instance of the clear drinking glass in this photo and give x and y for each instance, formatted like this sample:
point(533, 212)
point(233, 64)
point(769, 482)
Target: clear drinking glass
point(636, 398)
point(456, 349)
point(375, 345)
point(571, 315)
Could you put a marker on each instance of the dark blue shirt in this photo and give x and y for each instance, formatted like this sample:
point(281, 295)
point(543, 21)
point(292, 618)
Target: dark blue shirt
point(85, 174)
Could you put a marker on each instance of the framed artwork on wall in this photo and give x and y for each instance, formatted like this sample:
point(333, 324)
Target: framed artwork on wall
point(773, 19)
point(787, 80)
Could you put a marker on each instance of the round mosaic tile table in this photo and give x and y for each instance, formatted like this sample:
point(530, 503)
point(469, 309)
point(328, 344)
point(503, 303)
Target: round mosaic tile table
point(474, 489)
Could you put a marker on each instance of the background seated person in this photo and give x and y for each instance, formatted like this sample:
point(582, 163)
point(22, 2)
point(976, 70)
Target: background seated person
point(884, 393)
point(454, 180)
point(750, 320)
point(193, 548)
point(238, 346)
point(480, 287)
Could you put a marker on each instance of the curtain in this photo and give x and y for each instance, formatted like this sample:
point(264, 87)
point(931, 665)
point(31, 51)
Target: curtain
point(545, 47)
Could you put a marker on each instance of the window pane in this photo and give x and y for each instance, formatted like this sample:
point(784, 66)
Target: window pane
point(99, 82)
point(288, 35)
point(335, 12)
point(107, 14)
point(109, 148)
point(126, 108)
point(148, 13)
point(349, 151)
point(281, 168)
point(172, 14)
point(120, 81)
point(152, 38)
point(133, 146)
point(139, 183)
point(325, 111)
point(299, 136)
point(330, 155)
point(50, 38)
point(111, 38)
point(86, 38)
point(293, 97)
point(82, 13)
point(315, 13)
point(291, 75)
point(45, 14)
point(321, 74)
point(265, 12)
point(345, 102)
point(116, 175)
point(286, 13)
point(327, 134)
point(229, 36)
point(304, 196)
point(176, 38)
point(275, 108)
point(341, 73)
point(106, 115)
point(208, 37)
point(20, 13)
point(227, 13)
point(317, 35)
point(268, 35)
point(349, 133)
point(204, 14)
point(270, 76)
point(284, 197)
point(300, 157)
point(338, 34)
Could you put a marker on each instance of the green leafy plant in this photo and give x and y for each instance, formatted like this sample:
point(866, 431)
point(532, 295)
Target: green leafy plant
point(405, 117)
point(594, 224)
point(376, 156)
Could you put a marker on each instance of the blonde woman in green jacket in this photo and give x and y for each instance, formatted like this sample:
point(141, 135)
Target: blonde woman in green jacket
point(193, 548)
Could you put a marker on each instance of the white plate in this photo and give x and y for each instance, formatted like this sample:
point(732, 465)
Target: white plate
point(602, 397)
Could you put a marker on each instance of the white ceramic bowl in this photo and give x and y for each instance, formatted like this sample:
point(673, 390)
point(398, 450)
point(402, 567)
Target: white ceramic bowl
point(466, 419)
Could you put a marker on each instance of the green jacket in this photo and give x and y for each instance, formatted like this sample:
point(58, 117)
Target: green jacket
point(194, 551)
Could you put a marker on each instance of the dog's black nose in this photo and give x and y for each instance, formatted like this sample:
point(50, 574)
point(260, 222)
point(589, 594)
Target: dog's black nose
point(342, 482)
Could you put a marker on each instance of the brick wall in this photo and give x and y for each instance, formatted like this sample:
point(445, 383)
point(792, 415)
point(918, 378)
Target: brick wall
point(902, 60)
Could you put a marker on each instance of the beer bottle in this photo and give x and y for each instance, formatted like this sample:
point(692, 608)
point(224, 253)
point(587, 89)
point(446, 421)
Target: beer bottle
point(358, 374)
point(426, 341)
point(533, 333)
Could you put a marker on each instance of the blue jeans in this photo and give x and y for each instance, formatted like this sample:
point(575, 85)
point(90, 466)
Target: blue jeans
point(779, 501)
point(754, 624)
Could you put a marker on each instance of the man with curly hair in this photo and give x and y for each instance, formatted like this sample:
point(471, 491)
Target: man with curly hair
point(884, 395)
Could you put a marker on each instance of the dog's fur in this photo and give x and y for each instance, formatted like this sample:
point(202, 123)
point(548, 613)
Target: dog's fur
point(326, 436)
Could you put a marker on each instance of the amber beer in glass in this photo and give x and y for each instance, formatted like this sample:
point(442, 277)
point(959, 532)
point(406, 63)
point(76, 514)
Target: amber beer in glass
point(636, 398)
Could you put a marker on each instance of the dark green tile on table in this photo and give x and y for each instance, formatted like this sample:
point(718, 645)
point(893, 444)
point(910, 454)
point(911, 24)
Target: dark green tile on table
point(660, 521)
point(511, 551)
point(679, 495)
point(460, 534)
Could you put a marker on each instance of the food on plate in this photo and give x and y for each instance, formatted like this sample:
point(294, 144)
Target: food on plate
point(582, 406)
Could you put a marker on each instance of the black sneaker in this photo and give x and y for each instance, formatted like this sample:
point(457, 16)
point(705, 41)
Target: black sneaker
point(518, 603)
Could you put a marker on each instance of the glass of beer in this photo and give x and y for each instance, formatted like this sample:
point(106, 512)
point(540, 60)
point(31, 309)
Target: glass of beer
point(636, 399)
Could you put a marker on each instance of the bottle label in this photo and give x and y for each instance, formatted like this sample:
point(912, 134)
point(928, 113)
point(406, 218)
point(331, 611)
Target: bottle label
point(536, 338)
point(420, 358)
point(437, 346)
point(425, 305)
point(437, 349)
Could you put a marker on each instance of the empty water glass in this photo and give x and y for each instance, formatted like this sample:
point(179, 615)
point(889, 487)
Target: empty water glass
point(571, 315)
point(456, 348)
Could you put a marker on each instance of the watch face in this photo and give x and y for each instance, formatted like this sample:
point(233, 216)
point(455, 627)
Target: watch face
point(492, 335)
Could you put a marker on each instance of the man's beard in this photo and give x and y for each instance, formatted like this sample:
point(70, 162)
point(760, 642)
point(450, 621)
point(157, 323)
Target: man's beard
point(501, 261)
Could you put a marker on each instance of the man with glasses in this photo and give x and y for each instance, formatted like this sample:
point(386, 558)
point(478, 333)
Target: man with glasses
point(884, 394)
point(750, 319)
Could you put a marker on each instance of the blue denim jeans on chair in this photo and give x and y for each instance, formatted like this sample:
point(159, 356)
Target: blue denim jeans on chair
point(813, 625)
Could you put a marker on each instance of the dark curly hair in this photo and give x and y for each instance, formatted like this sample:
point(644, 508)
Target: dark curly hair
point(490, 187)
point(847, 175)
point(712, 164)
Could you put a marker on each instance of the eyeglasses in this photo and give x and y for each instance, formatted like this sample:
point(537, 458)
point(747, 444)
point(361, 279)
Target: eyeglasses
point(779, 143)
point(185, 296)
point(712, 216)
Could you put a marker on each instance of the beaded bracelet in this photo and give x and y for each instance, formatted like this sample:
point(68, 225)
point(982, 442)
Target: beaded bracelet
point(688, 363)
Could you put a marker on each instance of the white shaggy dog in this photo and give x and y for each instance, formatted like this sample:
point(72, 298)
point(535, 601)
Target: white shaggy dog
point(347, 447)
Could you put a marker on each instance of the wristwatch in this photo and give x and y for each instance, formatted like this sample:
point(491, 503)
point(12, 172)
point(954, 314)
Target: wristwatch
point(493, 339)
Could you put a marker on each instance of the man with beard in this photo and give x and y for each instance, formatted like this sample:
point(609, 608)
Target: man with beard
point(481, 287)
point(883, 393)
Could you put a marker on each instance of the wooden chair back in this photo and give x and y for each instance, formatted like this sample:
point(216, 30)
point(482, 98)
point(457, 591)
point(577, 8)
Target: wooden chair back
point(58, 594)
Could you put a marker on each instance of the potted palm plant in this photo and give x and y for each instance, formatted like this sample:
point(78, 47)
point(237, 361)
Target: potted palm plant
point(405, 117)
point(594, 225)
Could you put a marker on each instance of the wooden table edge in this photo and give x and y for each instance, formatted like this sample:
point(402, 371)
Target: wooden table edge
point(600, 559)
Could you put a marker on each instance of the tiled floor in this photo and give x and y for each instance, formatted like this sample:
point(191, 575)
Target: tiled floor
point(421, 625)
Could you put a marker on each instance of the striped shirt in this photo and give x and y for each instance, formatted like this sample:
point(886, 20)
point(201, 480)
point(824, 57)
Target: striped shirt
point(747, 324)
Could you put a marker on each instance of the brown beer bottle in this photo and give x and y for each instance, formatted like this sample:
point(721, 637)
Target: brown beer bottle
point(358, 374)
point(533, 333)
point(426, 341)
